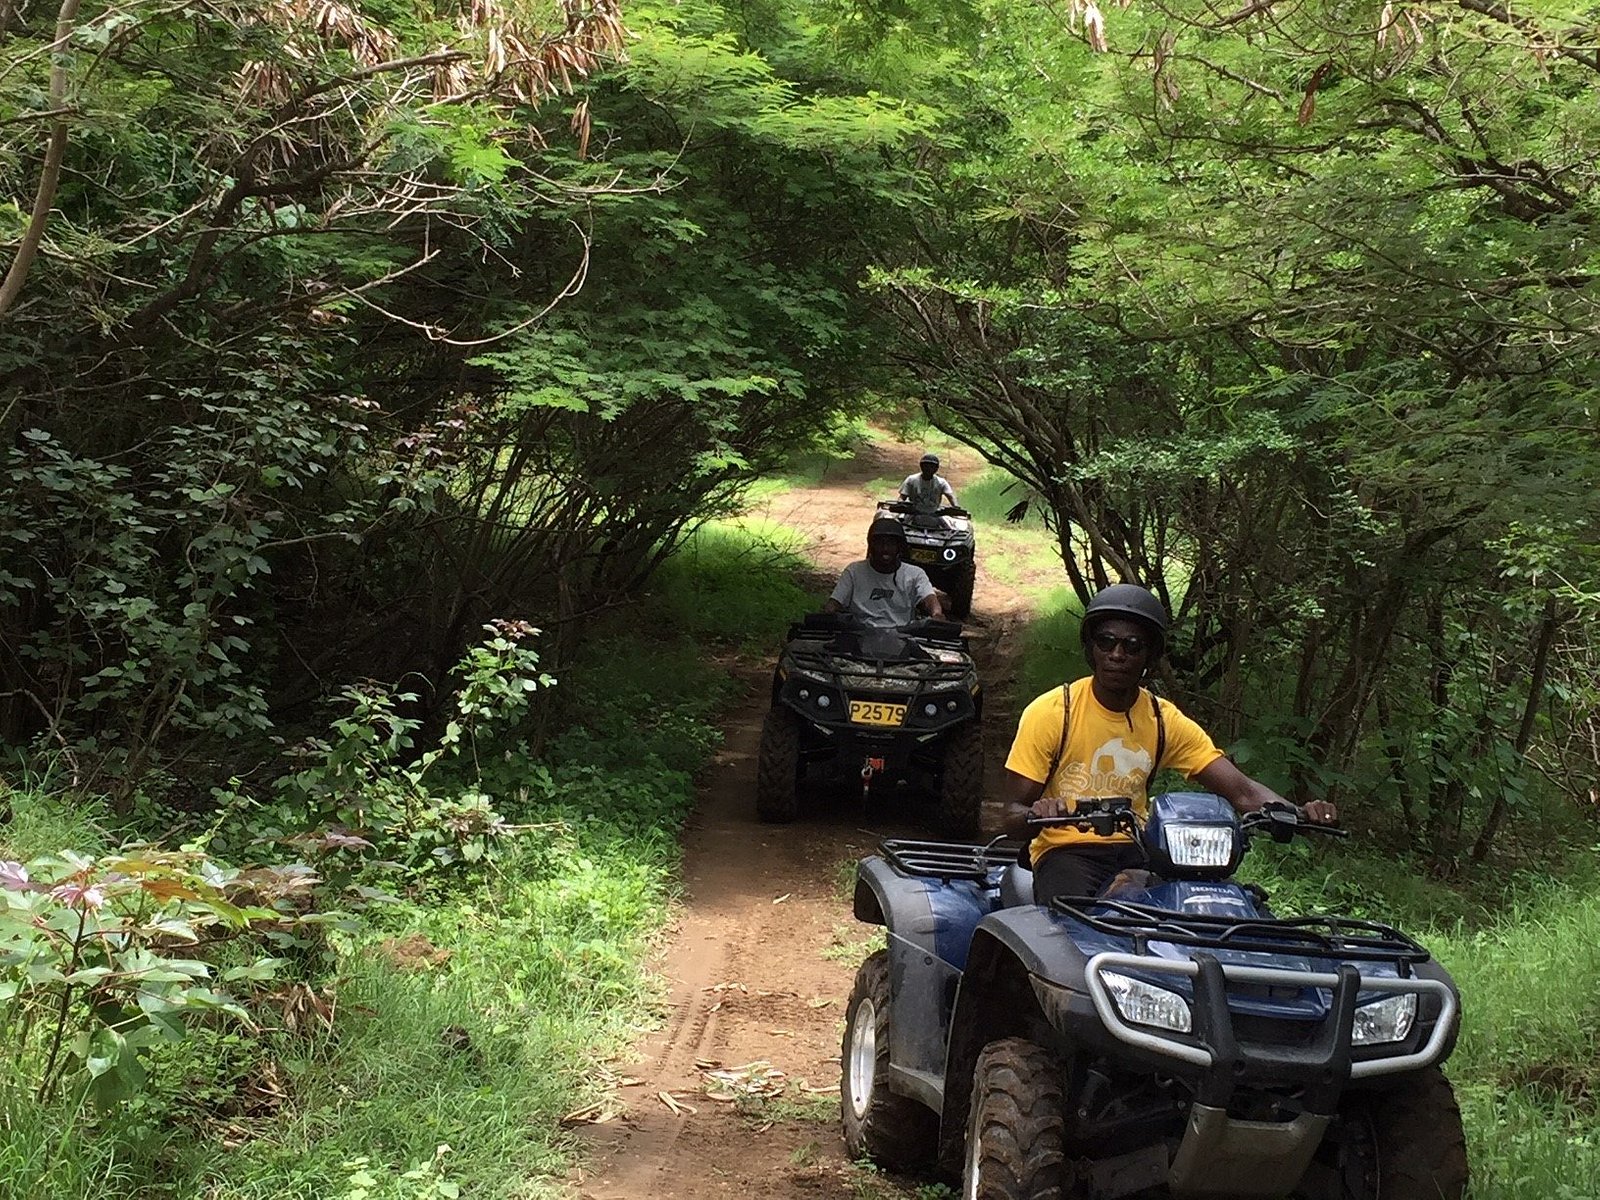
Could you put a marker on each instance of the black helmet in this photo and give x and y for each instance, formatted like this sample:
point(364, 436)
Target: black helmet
point(886, 527)
point(1126, 600)
point(929, 460)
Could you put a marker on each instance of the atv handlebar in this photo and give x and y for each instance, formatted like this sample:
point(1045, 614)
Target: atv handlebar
point(905, 506)
point(1108, 815)
point(844, 622)
point(1103, 816)
point(1284, 822)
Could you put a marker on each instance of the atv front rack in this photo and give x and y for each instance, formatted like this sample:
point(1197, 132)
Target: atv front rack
point(819, 656)
point(948, 860)
point(1311, 937)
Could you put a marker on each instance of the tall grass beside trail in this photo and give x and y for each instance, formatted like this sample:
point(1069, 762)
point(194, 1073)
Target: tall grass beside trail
point(470, 1015)
point(734, 581)
point(1528, 1063)
point(1050, 653)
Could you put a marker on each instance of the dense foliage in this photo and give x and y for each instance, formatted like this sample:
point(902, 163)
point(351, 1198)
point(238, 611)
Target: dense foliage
point(353, 327)
point(1290, 312)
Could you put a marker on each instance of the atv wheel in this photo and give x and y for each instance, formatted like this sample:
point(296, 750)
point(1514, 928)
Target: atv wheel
point(960, 592)
point(961, 783)
point(1014, 1128)
point(1405, 1144)
point(891, 1129)
point(778, 767)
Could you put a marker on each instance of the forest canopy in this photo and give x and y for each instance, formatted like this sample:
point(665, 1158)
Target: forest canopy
point(363, 362)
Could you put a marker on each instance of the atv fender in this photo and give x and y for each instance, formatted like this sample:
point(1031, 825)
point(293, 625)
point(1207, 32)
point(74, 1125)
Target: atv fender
point(1013, 952)
point(930, 923)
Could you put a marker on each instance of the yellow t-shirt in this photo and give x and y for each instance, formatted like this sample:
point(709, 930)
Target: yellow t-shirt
point(1107, 754)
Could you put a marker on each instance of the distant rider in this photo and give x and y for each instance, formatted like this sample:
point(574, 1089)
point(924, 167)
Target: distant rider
point(927, 489)
point(1105, 736)
point(882, 590)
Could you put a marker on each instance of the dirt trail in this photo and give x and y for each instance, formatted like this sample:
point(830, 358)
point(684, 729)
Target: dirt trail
point(762, 954)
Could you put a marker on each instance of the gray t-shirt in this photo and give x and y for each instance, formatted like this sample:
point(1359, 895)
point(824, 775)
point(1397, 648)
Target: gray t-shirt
point(882, 601)
point(925, 493)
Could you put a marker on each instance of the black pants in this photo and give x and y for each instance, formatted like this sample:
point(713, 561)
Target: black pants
point(1081, 870)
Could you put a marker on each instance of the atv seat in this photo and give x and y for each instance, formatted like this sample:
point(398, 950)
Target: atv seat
point(1016, 886)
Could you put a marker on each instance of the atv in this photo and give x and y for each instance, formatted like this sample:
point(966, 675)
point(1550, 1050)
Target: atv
point(943, 545)
point(1168, 1037)
point(877, 704)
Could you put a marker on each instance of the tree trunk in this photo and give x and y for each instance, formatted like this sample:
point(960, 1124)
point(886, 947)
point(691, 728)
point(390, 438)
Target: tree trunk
point(50, 174)
point(1548, 626)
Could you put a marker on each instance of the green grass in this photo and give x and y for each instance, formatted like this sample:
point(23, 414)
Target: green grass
point(1527, 1066)
point(1050, 653)
point(539, 976)
point(733, 582)
point(43, 823)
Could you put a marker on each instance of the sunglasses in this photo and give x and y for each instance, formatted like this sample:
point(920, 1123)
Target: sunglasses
point(1134, 645)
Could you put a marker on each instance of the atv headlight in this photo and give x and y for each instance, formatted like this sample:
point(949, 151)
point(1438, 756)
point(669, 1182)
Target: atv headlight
point(1200, 845)
point(1145, 1004)
point(949, 555)
point(1385, 1020)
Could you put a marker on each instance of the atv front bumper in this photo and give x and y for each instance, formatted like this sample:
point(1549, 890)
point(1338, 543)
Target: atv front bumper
point(1226, 1156)
point(1215, 1048)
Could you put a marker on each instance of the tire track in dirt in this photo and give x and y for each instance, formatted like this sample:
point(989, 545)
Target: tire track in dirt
point(748, 962)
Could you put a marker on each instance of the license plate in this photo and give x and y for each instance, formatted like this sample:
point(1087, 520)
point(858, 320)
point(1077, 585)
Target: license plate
point(872, 712)
point(924, 556)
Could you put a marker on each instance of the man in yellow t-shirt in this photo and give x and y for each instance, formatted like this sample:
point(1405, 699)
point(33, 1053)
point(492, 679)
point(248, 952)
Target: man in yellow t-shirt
point(1105, 736)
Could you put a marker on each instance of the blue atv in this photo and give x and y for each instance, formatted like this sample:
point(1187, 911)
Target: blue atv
point(1168, 1037)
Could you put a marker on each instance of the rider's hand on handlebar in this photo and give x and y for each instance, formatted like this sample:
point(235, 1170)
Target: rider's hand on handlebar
point(1047, 806)
point(1320, 812)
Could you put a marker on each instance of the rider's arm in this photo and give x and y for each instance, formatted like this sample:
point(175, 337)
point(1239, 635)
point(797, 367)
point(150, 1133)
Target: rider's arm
point(949, 494)
point(1020, 795)
point(927, 596)
point(1248, 795)
point(830, 605)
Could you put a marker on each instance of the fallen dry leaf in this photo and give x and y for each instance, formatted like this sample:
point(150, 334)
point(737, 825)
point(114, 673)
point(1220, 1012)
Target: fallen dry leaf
point(678, 1108)
point(598, 1113)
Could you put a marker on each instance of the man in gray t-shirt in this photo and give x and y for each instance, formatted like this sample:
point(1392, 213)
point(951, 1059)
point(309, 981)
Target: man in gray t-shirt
point(882, 590)
point(927, 489)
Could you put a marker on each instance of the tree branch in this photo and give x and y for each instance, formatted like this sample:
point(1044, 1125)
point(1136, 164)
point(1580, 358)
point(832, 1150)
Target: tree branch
point(50, 174)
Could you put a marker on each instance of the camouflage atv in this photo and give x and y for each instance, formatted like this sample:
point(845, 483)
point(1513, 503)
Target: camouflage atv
point(943, 545)
point(881, 704)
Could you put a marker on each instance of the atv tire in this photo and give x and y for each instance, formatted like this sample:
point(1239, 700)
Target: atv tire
point(960, 592)
point(1015, 1126)
point(778, 767)
point(961, 784)
point(893, 1130)
point(1403, 1144)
